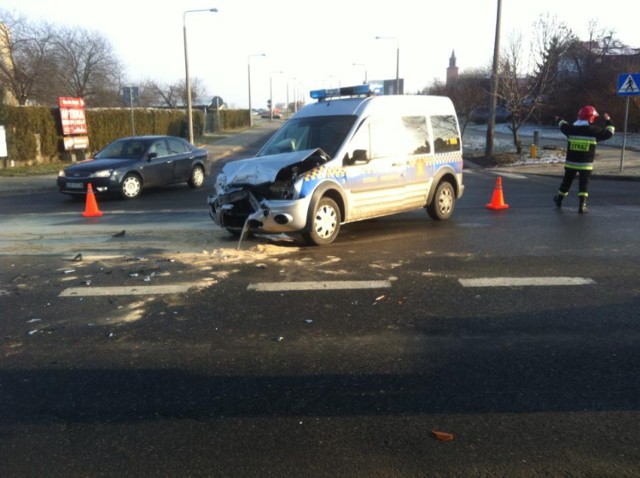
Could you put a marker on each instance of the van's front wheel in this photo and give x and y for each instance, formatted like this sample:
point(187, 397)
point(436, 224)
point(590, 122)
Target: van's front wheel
point(324, 223)
point(444, 200)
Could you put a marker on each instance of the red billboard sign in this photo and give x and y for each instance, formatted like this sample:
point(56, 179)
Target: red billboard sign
point(72, 116)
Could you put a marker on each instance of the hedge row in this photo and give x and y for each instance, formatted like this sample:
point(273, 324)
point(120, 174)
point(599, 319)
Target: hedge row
point(34, 133)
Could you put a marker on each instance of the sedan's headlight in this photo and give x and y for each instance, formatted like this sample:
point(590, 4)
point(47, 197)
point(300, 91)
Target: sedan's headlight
point(105, 173)
point(61, 173)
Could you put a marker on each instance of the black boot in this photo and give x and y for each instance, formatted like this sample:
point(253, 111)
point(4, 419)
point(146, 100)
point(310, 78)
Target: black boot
point(582, 208)
point(558, 200)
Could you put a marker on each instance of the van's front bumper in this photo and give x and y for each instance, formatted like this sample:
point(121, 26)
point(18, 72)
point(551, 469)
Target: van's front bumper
point(239, 209)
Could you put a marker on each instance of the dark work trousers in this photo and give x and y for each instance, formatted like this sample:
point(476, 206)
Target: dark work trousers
point(583, 184)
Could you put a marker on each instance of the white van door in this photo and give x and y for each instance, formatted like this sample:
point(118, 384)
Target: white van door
point(376, 186)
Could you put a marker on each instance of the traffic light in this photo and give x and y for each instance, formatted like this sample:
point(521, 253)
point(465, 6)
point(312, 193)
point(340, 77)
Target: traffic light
point(269, 104)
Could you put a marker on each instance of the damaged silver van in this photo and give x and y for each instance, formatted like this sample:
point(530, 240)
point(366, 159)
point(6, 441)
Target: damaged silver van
point(350, 156)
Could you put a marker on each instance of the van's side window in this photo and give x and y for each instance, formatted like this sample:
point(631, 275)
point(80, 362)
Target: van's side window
point(361, 141)
point(386, 136)
point(446, 134)
point(417, 134)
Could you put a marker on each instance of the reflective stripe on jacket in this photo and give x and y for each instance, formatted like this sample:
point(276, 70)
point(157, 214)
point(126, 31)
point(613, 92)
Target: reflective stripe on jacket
point(582, 140)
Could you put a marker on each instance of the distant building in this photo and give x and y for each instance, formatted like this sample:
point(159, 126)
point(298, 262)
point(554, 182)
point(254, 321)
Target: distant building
point(452, 70)
point(587, 53)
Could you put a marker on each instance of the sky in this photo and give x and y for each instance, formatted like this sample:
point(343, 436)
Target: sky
point(313, 44)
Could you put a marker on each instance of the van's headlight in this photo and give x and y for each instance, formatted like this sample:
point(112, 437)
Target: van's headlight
point(105, 173)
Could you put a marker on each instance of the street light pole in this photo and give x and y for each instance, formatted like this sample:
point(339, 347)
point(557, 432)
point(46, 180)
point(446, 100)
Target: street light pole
point(491, 120)
point(365, 71)
point(186, 68)
point(397, 60)
point(249, 83)
point(271, 93)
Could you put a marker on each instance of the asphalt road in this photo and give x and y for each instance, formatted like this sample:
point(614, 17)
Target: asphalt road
point(513, 331)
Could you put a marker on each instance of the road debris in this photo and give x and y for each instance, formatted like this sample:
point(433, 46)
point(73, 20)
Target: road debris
point(442, 436)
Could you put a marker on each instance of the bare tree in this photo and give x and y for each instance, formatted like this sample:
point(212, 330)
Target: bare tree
point(26, 63)
point(197, 90)
point(88, 66)
point(468, 91)
point(149, 94)
point(523, 88)
point(169, 94)
point(589, 69)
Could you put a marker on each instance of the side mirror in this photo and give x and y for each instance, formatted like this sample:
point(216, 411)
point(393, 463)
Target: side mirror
point(151, 156)
point(359, 156)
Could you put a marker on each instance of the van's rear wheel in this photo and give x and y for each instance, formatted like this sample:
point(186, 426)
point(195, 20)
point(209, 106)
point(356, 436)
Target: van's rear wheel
point(324, 223)
point(443, 202)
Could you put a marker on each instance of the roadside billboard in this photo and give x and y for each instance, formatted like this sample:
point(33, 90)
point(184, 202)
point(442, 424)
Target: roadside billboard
point(72, 116)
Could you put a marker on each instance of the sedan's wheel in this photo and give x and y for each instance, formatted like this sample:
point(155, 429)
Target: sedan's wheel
point(197, 177)
point(443, 202)
point(131, 186)
point(324, 223)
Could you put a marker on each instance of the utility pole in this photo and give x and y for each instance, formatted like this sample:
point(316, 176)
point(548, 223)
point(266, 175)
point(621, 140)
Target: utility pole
point(491, 120)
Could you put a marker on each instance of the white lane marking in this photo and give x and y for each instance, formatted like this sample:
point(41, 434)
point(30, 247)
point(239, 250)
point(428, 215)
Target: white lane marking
point(318, 285)
point(524, 281)
point(133, 290)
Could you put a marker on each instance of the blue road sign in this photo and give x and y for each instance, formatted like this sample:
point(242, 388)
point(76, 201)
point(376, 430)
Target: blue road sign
point(629, 84)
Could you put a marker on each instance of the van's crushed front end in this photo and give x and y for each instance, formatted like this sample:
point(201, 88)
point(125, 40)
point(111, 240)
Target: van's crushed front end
point(263, 194)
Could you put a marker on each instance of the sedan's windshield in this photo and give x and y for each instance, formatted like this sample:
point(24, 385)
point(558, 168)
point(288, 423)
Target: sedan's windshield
point(124, 149)
point(325, 132)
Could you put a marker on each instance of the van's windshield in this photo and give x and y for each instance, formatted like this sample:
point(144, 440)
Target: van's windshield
point(325, 132)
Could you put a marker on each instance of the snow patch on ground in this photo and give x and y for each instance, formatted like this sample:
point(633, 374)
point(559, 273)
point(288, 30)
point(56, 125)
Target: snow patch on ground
point(475, 145)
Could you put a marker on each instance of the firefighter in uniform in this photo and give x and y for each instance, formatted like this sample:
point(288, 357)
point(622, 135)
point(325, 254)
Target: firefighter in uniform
point(582, 138)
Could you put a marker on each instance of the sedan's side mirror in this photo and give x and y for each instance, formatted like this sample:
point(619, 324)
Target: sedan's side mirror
point(151, 156)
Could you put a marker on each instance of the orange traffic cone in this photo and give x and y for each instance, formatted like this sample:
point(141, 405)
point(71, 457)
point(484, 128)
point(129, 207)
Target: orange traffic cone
point(91, 209)
point(497, 201)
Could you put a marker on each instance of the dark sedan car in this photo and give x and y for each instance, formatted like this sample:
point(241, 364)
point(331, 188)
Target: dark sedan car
point(480, 115)
point(127, 165)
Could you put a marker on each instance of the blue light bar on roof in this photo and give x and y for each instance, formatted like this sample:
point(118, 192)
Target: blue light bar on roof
point(359, 90)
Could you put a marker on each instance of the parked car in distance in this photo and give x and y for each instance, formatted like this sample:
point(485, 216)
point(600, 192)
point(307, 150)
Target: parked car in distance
point(276, 114)
point(127, 165)
point(480, 115)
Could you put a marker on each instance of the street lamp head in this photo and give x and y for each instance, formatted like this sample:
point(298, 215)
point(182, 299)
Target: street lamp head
point(397, 39)
point(184, 14)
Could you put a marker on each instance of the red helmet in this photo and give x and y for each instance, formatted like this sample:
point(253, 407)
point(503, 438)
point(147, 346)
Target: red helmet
point(588, 113)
